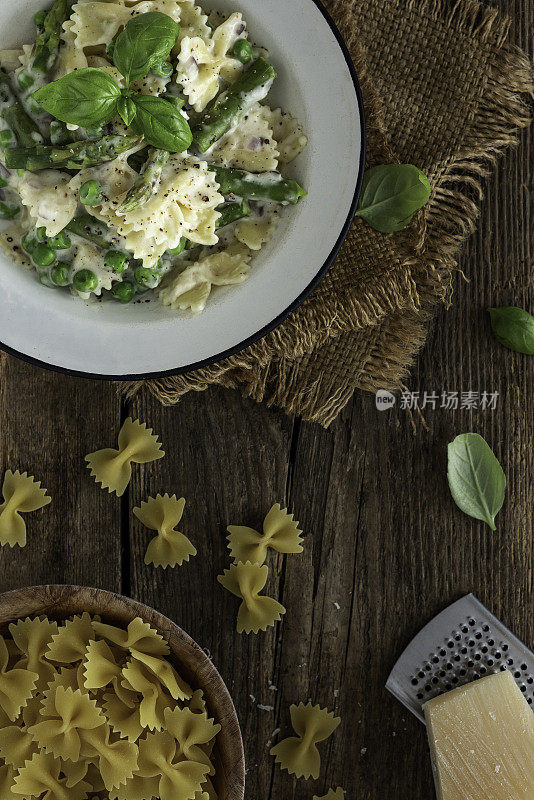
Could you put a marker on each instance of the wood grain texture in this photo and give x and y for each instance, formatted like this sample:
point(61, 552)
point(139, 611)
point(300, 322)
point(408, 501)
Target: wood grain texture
point(383, 538)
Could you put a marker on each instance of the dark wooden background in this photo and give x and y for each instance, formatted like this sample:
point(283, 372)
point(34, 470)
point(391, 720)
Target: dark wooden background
point(383, 537)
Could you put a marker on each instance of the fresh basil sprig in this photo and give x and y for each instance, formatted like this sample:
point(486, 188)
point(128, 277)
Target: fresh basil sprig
point(514, 328)
point(91, 97)
point(145, 42)
point(476, 479)
point(391, 196)
point(87, 97)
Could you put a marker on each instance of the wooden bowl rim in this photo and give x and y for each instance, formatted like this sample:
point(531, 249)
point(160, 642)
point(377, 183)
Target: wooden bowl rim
point(41, 599)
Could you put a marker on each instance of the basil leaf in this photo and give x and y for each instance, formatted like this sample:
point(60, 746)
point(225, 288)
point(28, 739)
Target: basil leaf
point(514, 328)
point(86, 97)
point(476, 479)
point(127, 110)
point(146, 40)
point(391, 196)
point(161, 124)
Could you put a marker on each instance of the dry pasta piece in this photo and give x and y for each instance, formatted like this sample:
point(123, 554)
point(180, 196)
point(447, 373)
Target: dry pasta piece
point(169, 547)
point(117, 761)
point(32, 637)
point(68, 678)
point(7, 780)
point(100, 667)
point(192, 730)
point(280, 532)
point(157, 754)
point(113, 468)
point(138, 636)
point(41, 775)
point(154, 701)
point(69, 644)
point(21, 494)
point(16, 685)
point(165, 673)
point(137, 788)
point(256, 612)
point(66, 714)
point(124, 717)
point(16, 745)
point(298, 754)
point(338, 794)
point(197, 704)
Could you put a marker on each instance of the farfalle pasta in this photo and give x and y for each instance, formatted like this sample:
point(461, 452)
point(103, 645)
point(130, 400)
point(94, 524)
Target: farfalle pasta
point(113, 468)
point(338, 794)
point(21, 494)
point(280, 532)
point(170, 547)
point(256, 612)
point(299, 754)
point(115, 719)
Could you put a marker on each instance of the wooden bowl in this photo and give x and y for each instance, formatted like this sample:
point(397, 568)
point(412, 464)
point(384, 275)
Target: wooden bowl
point(60, 602)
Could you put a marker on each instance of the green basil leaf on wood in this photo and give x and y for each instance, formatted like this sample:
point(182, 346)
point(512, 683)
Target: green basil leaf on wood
point(391, 196)
point(145, 41)
point(476, 479)
point(87, 97)
point(161, 124)
point(127, 110)
point(514, 328)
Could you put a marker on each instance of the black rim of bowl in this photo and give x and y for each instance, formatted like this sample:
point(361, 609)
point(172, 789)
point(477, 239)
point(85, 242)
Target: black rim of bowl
point(294, 305)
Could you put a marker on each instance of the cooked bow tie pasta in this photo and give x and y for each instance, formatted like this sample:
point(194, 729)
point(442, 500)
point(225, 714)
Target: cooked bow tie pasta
point(137, 151)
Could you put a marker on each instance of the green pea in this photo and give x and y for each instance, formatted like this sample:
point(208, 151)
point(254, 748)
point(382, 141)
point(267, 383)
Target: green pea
point(91, 193)
point(60, 242)
point(175, 251)
point(41, 234)
point(163, 69)
point(43, 255)
point(147, 278)
point(20, 173)
point(116, 260)
point(60, 274)
point(6, 138)
point(85, 281)
point(44, 278)
point(243, 51)
point(39, 18)
point(8, 210)
point(25, 79)
point(29, 242)
point(123, 292)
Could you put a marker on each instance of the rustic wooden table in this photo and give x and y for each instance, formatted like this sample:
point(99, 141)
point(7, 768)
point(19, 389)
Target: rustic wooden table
point(385, 548)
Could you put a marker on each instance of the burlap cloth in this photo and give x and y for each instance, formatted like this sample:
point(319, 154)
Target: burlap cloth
point(445, 90)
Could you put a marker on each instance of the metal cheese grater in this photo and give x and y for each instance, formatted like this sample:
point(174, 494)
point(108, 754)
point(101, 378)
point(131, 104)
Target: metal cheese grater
point(463, 643)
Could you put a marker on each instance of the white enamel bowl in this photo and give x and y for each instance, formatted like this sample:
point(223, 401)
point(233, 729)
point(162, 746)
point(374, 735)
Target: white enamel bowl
point(317, 83)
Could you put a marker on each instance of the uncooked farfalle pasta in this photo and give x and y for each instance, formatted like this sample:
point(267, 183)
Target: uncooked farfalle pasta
point(113, 468)
point(170, 547)
point(299, 754)
point(89, 710)
point(256, 612)
point(21, 494)
point(338, 794)
point(280, 532)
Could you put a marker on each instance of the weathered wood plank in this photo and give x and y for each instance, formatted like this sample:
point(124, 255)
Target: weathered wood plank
point(48, 423)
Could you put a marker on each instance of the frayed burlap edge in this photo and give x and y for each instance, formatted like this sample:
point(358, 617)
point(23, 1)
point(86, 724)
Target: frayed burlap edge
point(430, 247)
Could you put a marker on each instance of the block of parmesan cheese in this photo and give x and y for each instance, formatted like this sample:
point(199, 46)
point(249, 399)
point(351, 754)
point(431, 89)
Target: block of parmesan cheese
point(482, 741)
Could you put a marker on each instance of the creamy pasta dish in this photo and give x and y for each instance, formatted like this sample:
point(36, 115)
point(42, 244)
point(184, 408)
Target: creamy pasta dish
point(138, 153)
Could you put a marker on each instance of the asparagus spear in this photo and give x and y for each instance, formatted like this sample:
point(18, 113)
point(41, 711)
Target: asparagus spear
point(25, 130)
point(251, 87)
point(46, 48)
point(267, 186)
point(88, 227)
point(77, 155)
point(147, 182)
point(231, 212)
point(6, 88)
